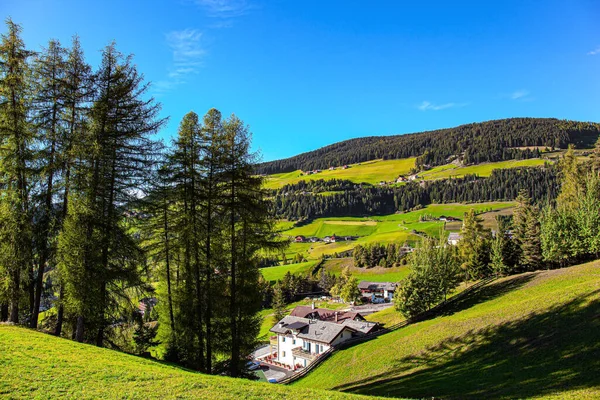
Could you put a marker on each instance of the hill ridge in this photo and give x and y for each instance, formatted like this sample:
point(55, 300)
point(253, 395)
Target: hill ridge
point(494, 140)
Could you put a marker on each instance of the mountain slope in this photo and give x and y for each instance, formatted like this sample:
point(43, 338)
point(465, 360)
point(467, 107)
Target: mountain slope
point(525, 336)
point(36, 365)
point(497, 140)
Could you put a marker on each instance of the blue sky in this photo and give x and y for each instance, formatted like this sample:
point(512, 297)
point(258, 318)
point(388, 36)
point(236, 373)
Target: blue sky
point(304, 74)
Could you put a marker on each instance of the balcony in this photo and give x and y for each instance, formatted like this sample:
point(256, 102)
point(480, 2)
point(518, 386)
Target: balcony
point(299, 352)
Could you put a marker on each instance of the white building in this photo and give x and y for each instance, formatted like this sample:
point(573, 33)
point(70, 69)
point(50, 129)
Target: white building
point(372, 290)
point(454, 238)
point(301, 340)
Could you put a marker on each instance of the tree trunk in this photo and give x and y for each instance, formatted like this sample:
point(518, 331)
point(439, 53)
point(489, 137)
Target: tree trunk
point(61, 312)
point(79, 329)
point(235, 346)
point(3, 312)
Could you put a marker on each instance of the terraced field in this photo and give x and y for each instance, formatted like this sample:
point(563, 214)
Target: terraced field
point(533, 335)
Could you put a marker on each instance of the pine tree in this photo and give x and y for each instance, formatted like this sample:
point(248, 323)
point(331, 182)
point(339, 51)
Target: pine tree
point(77, 91)
point(48, 107)
point(473, 246)
point(531, 247)
point(16, 139)
point(279, 308)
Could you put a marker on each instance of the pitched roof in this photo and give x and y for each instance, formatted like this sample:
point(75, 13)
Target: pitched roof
point(315, 330)
point(365, 285)
point(324, 314)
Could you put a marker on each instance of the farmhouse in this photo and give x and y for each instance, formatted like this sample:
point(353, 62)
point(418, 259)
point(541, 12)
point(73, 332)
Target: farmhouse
point(325, 314)
point(300, 239)
point(454, 238)
point(373, 290)
point(331, 239)
point(302, 340)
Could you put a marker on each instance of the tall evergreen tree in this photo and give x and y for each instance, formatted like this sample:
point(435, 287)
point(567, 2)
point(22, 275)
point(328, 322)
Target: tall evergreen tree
point(16, 138)
point(474, 247)
point(48, 108)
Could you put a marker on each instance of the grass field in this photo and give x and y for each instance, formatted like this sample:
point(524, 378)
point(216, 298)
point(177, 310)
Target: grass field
point(34, 365)
point(397, 228)
point(377, 274)
point(533, 335)
point(451, 170)
point(368, 172)
point(273, 274)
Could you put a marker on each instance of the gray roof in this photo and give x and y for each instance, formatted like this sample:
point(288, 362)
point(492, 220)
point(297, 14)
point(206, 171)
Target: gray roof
point(360, 326)
point(365, 285)
point(315, 330)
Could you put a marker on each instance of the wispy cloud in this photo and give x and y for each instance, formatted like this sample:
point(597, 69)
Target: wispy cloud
point(519, 94)
point(428, 106)
point(187, 50)
point(224, 9)
point(594, 52)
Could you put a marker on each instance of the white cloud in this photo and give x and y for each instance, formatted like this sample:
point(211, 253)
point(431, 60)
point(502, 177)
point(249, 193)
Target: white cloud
point(224, 8)
point(187, 51)
point(594, 52)
point(428, 106)
point(519, 94)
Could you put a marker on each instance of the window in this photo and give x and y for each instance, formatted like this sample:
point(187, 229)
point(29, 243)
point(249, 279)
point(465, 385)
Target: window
point(283, 353)
point(293, 341)
point(283, 339)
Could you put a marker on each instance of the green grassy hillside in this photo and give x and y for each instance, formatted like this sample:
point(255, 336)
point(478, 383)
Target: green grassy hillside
point(453, 171)
point(36, 365)
point(533, 335)
point(368, 172)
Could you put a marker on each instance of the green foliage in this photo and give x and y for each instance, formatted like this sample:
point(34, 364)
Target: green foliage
point(474, 247)
point(434, 274)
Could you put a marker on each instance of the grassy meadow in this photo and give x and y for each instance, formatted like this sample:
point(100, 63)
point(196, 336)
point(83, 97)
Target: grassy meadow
point(533, 335)
point(368, 172)
point(35, 365)
point(484, 170)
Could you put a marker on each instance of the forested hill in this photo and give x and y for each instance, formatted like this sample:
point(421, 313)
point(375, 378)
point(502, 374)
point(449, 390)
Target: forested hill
point(496, 140)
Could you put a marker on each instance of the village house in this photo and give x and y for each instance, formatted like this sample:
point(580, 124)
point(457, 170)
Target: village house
point(454, 238)
point(377, 290)
point(325, 314)
point(300, 239)
point(331, 239)
point(302, 340)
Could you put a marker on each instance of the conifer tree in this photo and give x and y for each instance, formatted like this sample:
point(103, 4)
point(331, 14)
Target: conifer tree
point(16, 138)
point(48, 108)
point(473, 246)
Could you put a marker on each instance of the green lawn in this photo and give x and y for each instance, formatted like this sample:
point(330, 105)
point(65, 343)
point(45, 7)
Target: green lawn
point(451, 170)
point(34, 365)
point(369, 172)
point(533, 335)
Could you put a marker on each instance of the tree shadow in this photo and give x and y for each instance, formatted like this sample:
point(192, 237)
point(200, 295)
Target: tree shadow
point(544, 353)
point(487, 293)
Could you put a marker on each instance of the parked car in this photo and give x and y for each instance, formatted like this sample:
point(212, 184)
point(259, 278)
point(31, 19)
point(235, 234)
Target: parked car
point(252, 365)
point(378, 300)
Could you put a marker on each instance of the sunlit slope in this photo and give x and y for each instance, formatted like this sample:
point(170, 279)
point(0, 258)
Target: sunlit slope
point(534, 335)
point(368, 172)
point(36, 365)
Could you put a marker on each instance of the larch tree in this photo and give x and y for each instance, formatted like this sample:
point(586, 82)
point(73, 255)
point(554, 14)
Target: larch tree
point(48, 104)
point(16, 139)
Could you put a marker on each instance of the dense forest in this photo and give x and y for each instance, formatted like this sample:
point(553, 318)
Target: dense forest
point(303, 201)
point(473, 143)
point(100, 222)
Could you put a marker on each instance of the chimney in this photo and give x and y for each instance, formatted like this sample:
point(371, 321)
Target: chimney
point(313, 305)
point(336, 317)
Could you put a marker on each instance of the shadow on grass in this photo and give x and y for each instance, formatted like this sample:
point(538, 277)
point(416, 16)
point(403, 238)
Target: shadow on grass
point(487, 293)
point(547, 352)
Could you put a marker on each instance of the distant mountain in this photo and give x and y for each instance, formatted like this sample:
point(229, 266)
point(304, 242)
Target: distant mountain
point(496, 140)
